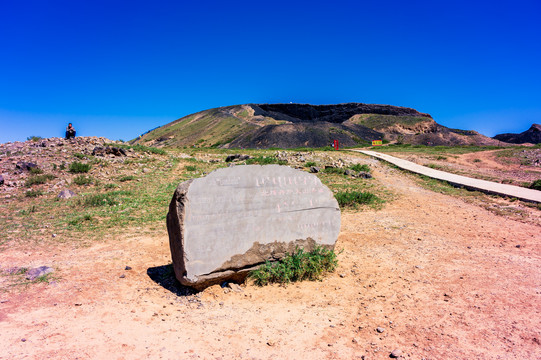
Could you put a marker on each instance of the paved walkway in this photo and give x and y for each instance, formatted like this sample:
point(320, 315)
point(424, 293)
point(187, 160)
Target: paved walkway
point(469, 183)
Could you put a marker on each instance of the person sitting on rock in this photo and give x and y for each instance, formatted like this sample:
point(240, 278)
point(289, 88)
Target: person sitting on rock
point(70, 132)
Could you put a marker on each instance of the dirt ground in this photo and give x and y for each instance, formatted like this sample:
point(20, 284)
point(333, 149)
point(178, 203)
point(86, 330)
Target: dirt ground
point(441, 278)
point(520, 167)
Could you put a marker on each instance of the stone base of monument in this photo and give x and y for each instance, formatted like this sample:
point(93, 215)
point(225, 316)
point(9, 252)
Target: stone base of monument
point(226, 224)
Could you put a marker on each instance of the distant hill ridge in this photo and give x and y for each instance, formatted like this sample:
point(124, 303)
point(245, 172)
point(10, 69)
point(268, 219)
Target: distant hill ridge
point(304, 125)
point(532, 135)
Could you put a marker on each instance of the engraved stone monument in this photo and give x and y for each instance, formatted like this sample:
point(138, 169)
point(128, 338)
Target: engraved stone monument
point(227, 223)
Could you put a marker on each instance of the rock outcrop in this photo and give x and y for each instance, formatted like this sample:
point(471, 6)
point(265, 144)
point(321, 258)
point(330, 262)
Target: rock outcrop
point(532, 136)
point(225, 224)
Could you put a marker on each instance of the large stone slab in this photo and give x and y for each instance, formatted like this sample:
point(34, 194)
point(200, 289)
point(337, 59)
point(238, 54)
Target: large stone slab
point(225, 224)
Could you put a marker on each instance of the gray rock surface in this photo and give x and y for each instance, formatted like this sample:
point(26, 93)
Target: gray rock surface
point(225, 224)
point(35, 273)
point(66, 194)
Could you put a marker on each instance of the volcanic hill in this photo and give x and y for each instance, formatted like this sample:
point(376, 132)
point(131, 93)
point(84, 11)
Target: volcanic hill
point(532, 135)
point(305, 125)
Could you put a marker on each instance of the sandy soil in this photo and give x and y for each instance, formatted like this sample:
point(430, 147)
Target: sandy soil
point(442, 278)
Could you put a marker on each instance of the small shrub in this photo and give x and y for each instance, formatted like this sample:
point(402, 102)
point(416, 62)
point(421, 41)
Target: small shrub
point(310, 164)
point(110, 186)
point(34, 138)
point(442, 158)
point(434, 166)
point(333, 170)
point(82, 180)
point(354, 198)
point(80, 219)
point(79, 155)
point(39, 179)
point(77, 167)
point(359, 167)
point(265, 160)
point(54, 167)
point(62, 166)
point(476, 160)
point(33, 193)
point(36, 171)
point(98, 200)
point(536, 185)
point(298, 266)
point(126, 178)
point(190, 168)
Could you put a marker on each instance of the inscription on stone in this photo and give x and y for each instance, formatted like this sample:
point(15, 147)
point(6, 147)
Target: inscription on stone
point(238, 217)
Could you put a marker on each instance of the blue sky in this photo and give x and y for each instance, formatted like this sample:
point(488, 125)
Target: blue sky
point(118, 68)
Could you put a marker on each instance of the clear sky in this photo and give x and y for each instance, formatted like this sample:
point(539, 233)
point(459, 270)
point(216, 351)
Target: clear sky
point(119, 68)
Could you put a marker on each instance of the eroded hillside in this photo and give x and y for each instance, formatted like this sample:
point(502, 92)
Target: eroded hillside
point(305, 125)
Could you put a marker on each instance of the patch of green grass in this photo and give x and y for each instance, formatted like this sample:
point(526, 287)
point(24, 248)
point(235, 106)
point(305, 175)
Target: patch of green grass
point(298, 266)
point(77, 167)
point(191, 168)
point(126, 178)
point(107, 199)
point(36, 171)
point(80, 220)
point(79, 155)
point(265, 160)
point(434, 166)
point(359, 167)
point(33, 193)
point(310, 164)
point(352, 199)
point(333, 170)
point(536, 185)
point(39, 179)
point(82, 180)
point(110, 186)
point(440, 157)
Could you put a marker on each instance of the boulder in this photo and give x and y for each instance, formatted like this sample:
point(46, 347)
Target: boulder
point(226, 224)
point(66, 194)
point(364, 175)
point(35, 273)
point(1, 180)
point(23, 165)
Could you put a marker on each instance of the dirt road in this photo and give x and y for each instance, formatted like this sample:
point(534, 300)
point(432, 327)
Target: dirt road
point(440, 278)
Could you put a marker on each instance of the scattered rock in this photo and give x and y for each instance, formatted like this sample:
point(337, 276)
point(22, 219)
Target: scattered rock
point(102, 151)
point(349, 172)
point(364, 175)
point(380, 329)
point(66, 194)
point(234, 287)
point(396, 354)
point(122, 276)
point(25, 166)
point(314, 169)
point(127, 268)
point(237, 157)
point(35, 273)
point(230, 158)
point(1, 180)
